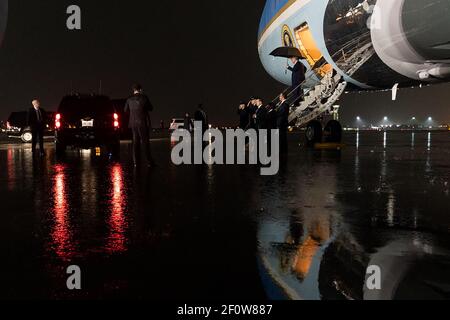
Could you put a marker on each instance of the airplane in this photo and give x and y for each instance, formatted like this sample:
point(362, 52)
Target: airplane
point(354, 45)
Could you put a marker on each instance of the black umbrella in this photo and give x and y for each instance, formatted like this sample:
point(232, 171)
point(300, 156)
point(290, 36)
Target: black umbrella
point(287, 52)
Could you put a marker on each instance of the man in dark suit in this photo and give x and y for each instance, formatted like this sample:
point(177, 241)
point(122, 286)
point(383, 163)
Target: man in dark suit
point(201, 116)
point(188, 124)
point(260, 115)
point(139, 107)
point(298, 77)
point(36, 120)
point(283, 123)
point(251, 110)
point(243, 116)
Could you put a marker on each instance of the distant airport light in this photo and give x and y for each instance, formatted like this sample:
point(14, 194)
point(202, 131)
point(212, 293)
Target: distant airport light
point(386, 118)
point(430, 119)
point(358, 118)
point(414, 118)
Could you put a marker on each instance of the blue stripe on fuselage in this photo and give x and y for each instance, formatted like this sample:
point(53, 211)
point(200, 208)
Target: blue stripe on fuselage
point(270, 10)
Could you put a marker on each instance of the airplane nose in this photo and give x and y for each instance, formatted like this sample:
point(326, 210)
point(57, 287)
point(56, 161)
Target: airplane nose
point(426, 25)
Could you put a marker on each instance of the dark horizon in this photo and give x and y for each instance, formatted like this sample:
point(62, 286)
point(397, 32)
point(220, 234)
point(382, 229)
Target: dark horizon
point(183, 54)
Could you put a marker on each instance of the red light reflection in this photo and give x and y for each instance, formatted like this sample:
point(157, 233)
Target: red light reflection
point(61, 235)
point(117, 241)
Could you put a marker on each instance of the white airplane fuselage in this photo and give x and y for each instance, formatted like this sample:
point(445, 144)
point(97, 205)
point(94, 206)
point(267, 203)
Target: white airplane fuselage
point(373, 44)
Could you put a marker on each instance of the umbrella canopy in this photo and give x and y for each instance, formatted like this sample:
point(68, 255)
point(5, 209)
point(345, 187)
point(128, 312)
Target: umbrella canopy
point(287, 52)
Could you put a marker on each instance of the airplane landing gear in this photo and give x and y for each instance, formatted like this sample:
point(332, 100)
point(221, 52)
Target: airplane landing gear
point(316, 134)
point(313, 133)
point(333, 132)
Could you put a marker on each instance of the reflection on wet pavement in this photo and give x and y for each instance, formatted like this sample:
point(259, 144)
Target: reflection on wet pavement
point(226, 232)
point(61, 239)
point(384, 204)
point(116, 240)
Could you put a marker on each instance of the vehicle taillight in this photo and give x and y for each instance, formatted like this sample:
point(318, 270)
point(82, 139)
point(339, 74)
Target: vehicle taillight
point(116, 120)
point(58, 121)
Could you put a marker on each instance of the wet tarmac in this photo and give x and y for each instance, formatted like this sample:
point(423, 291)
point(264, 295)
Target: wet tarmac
point(225, 232)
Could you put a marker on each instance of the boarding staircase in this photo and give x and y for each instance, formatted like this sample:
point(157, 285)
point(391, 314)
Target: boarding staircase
point(321, 98)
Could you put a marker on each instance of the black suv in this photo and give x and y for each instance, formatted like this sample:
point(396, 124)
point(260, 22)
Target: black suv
point(16, 126)
point(86, 122)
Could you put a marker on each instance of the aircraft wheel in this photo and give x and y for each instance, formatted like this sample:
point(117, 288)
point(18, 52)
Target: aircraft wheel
point(313, 133)
point(333, 132)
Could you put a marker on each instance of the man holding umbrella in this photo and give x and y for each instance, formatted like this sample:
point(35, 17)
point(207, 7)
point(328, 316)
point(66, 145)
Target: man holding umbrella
point(298, 77)
point(298, 69)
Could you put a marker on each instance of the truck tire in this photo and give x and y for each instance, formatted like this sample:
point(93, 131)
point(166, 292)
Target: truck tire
point(26, 136)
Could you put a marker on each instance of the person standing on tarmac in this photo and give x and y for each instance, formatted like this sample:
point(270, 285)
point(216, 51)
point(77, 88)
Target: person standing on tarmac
point(251, 110)
point(243, 116)
point(139, 107)
point(271, 116)
point(201, 116)
point(36, 120)
point(260, 115)
point(283, 123)
point(188, 123)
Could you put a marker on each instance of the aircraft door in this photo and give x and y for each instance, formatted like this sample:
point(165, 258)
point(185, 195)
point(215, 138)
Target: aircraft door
point(309, 49)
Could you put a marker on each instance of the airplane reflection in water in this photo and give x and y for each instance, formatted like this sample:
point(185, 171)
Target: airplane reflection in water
point(317, 242)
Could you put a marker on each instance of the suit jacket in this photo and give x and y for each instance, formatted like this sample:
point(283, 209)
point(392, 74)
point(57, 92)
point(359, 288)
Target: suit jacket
point(33, 120)
point(283, 116)
point(139, 107)
point(251, 110)
point(298, 74)
point(243, 118)
point(188, 124)
point(261, 118)
point(200, 115)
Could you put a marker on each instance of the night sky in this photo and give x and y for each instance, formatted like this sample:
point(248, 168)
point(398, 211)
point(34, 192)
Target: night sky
point(182, 52)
